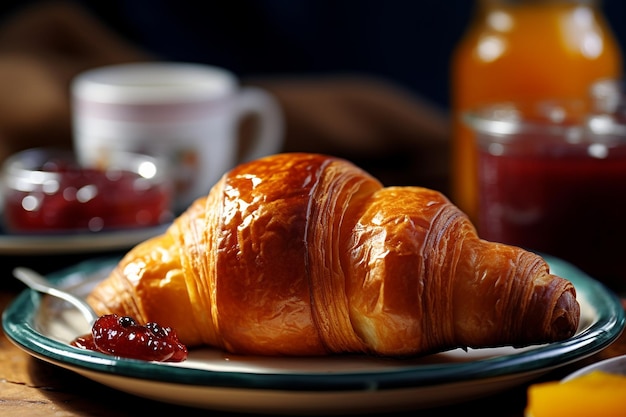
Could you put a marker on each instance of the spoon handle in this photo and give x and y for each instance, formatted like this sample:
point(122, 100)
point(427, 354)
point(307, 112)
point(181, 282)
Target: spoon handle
point(38, 283)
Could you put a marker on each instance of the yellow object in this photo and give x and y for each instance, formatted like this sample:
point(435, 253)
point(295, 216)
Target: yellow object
point(594, 394)
point(523, 50)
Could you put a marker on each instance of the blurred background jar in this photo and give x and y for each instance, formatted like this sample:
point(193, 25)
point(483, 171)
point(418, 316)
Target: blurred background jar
point(46, 190)
point(552, 178)
point(523, 50)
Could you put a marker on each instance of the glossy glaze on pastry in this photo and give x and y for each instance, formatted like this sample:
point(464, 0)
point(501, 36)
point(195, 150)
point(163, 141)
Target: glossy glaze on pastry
point(306, 254)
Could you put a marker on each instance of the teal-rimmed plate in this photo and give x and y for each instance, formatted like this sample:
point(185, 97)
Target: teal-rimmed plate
point(211, 379)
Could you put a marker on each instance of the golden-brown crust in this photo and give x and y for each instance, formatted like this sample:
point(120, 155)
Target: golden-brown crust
point(262, 266)
point(304, 254)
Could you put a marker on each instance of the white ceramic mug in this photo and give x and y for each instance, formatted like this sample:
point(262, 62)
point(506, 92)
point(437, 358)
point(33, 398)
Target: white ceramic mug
point(188, 114)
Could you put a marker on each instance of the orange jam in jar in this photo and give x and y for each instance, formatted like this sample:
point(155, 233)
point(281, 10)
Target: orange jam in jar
point(524, 50)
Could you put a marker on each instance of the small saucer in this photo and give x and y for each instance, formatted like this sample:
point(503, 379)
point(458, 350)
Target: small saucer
point(616, 365)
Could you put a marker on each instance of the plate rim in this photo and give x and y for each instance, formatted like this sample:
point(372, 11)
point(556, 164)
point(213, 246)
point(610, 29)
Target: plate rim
point(75, 243)
point(17, 321)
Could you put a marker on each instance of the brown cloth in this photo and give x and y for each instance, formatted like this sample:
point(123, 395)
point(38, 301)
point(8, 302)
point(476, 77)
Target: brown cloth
point(399, 138)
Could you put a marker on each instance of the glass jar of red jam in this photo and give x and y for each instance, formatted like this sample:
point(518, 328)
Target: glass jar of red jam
point(552, 178)
point(46, 190)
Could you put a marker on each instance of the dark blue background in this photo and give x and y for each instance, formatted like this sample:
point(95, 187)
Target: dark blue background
point(406, 41)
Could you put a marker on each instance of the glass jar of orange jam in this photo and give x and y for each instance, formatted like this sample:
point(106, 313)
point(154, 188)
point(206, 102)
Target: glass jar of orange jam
point(523, 50)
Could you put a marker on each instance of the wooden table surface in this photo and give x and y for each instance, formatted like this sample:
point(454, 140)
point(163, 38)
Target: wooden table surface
point(30, 387)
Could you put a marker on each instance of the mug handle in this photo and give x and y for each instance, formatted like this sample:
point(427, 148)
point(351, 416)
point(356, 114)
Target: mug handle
point(268, 139)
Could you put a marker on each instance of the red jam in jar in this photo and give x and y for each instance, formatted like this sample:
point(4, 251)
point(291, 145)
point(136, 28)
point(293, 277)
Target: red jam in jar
point(573, 206)
point(557, 188)
point(47, 190)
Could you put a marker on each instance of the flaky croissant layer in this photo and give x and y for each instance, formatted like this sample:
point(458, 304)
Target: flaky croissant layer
point(306, 254)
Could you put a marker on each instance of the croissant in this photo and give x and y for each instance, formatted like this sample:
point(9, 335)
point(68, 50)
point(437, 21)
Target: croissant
point(306, 254)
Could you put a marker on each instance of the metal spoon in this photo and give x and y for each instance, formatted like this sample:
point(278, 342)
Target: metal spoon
point(38, 283)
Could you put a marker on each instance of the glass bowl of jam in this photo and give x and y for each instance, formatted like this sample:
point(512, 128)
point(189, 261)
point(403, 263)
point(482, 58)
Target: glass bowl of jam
point(47, 190)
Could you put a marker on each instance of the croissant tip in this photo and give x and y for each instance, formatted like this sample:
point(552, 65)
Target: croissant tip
point(565, 316)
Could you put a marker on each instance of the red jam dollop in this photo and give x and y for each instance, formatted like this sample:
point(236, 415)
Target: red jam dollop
point(122, 336)
point(57, 194)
